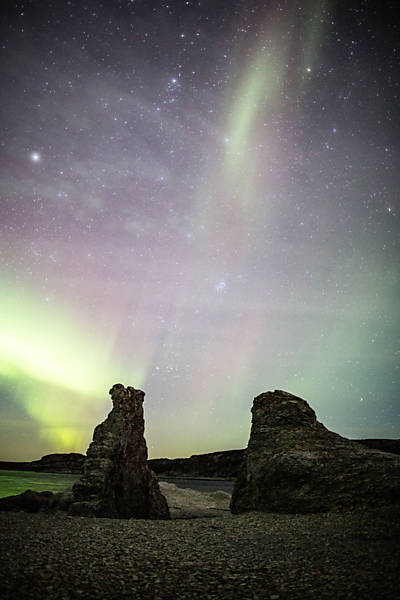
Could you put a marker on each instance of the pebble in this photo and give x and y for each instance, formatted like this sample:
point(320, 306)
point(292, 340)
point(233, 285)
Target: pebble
point(257, 555)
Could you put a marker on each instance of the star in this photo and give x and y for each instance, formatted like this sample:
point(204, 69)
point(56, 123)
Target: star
point(232, 177)
point(220, 286)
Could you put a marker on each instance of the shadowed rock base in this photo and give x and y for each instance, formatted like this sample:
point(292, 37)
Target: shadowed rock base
point(294, 464)
point(28, 501)
point(116, 480)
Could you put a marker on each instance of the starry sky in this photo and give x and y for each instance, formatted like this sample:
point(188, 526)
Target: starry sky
point(199, 199)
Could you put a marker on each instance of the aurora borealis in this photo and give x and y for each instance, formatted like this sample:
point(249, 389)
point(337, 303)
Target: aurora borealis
point(199, 199)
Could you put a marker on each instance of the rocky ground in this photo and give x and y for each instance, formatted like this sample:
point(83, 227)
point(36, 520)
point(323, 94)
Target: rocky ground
point(249, 556)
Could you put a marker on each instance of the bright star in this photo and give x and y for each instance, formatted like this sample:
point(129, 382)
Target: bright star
point(35, 157)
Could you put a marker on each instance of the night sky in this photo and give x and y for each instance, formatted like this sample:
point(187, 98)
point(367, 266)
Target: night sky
point(199, 199)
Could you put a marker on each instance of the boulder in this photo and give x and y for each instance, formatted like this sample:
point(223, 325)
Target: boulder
point(294, 464)
point(28, 501)
point(116, 480)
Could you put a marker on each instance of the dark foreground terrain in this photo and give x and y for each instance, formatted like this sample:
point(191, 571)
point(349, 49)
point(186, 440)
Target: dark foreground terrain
point(256, 555)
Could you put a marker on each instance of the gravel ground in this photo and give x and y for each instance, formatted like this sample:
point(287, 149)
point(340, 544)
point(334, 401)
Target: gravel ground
point(266, 556)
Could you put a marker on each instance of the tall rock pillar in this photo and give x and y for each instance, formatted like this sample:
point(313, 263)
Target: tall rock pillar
point(116, 480)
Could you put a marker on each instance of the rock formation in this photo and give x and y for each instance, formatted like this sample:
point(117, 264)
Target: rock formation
point(28, 501)
point(9, 465)
point(116, 480)
point(59, 463)
point(31, 501)
point(384, 445)
point(294, 464)
point(213, 464)
point(225, 463)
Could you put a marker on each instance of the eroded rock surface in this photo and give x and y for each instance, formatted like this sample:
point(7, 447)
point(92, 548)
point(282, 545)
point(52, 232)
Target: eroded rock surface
point(294, 464)
point(116, 480)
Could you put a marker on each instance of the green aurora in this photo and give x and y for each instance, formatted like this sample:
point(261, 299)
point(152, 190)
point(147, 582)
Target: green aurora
point(203, 205)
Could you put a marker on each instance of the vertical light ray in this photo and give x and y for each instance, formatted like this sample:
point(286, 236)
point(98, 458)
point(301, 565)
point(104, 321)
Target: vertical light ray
point(253, 102)
point(311, 36)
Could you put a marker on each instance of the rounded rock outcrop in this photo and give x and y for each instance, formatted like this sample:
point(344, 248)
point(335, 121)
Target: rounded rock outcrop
point(294, 464)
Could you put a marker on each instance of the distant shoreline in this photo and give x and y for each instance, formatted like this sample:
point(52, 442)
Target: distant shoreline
point(161, 477)
point(16, 482)
point(222, 464)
